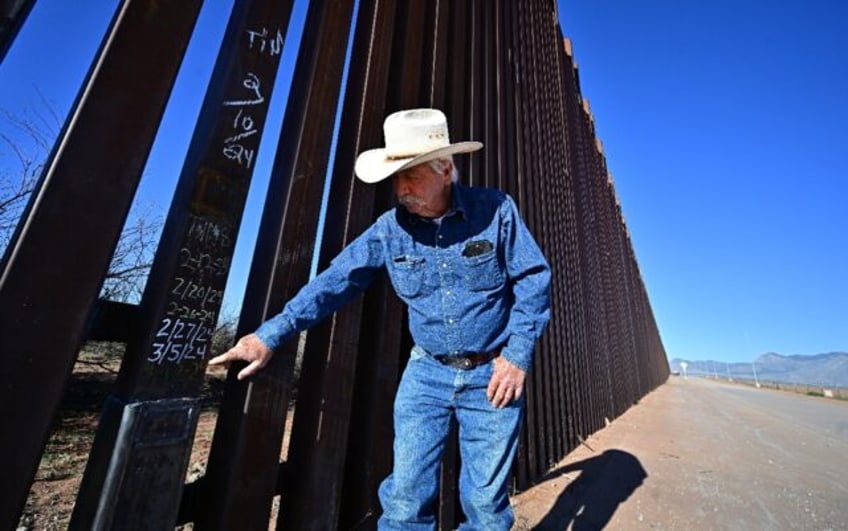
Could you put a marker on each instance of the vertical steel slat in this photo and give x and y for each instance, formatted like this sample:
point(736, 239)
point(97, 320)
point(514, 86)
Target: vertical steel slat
point(47, 283)
point(505, 122)
point(455, 94)
point(352, 207)
point(437, 70)
point(408, 58)
point(489, 103)
point(474, 86)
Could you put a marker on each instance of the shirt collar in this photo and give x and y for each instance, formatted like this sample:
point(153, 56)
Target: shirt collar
point(458, 199)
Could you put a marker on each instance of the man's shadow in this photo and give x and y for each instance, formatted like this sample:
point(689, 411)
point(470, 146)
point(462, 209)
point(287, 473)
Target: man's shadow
point(590, 500)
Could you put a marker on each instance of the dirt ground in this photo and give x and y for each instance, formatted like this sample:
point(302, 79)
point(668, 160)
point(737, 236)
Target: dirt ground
point(698, 454)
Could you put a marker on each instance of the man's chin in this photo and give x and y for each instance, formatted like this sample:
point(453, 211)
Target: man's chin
point(412, 208)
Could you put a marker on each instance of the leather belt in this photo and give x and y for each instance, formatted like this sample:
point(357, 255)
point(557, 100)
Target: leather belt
point(468, 361)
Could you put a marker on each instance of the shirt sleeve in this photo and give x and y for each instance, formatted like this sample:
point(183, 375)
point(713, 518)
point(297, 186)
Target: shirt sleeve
point(530, 275)
point(347, 275)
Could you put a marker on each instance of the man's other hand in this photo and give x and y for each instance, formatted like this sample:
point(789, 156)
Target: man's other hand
point(250, 349)
point(507, 383)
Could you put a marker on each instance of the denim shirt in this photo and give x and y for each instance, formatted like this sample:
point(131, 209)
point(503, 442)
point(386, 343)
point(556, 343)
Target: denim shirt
point(474, 282)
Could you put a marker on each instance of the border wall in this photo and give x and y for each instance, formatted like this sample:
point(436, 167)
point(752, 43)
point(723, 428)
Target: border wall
point(504, 75)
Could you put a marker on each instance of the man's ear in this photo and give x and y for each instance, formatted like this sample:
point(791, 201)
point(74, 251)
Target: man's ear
point(448, 173)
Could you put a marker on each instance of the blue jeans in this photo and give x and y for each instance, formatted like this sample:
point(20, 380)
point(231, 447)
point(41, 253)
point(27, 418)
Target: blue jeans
point(429, 395)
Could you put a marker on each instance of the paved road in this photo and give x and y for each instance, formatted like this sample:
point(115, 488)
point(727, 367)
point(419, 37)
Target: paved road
point(699, 454)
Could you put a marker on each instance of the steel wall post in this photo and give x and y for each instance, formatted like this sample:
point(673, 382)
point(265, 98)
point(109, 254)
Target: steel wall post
point(376, 351)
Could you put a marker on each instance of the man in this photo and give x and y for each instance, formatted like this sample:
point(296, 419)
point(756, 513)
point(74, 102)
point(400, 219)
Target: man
point(476, 285)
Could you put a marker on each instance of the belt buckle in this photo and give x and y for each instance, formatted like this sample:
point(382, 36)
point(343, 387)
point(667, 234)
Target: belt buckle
point(467, 363)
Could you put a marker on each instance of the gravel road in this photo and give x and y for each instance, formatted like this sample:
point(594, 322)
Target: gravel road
point(701, 454)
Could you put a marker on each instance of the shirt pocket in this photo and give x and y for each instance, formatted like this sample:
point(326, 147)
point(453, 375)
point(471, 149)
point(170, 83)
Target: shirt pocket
point(407, 274)
point(482, 272)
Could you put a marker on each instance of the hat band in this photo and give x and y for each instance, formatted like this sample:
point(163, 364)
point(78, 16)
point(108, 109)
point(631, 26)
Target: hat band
point(395, 156)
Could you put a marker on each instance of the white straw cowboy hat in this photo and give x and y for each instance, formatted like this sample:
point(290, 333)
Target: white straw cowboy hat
point(413, 137)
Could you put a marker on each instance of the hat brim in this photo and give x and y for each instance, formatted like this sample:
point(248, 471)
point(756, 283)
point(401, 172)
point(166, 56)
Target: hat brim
point(373, 166)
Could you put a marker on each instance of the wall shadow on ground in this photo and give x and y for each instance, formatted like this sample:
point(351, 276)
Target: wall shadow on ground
point(590, 500)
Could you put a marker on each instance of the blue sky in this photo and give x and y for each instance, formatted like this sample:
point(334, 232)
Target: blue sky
point(724, 126)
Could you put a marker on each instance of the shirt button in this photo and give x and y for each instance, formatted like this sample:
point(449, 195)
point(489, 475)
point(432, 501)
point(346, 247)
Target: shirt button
point(447, 292)
point(444, 264)
point(450, 321)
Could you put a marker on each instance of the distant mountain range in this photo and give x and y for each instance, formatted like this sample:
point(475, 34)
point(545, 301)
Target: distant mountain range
point(827, 370)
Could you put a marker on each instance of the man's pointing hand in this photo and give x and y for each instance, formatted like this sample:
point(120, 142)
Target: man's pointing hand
point(250, 349)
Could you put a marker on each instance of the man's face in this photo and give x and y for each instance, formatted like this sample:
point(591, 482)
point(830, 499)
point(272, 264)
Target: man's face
point(423, 191)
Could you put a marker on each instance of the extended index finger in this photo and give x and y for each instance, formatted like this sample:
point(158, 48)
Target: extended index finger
point(223, 358)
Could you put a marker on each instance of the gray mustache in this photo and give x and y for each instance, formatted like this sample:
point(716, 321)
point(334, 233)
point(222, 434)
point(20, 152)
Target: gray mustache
point(410, 200)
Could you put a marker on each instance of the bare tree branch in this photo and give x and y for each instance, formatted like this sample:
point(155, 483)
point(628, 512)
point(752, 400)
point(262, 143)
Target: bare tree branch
point(31, 135)
point(133, 257)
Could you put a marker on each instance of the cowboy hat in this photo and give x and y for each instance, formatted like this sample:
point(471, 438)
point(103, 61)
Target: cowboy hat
point(413, 137)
